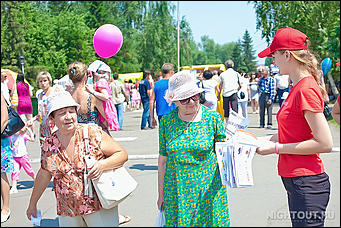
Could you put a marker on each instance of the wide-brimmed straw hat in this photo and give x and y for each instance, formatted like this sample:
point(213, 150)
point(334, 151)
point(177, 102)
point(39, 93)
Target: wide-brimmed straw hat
point(285, 39)
point(60, 99)
point(181, 85)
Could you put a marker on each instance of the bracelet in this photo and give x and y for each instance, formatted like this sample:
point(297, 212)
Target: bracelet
point(276, 148)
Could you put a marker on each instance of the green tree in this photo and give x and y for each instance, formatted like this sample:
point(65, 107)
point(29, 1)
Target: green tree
point(187, 44)
point(237, 55)
point(158, 41)
point(224, 52)
point(13, 43)
point(319, 20)
point(57, 7)
point(248, 53)
point(52, 34)
point(209, 47)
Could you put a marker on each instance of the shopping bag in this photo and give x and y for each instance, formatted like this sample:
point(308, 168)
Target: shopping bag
point(113, 186)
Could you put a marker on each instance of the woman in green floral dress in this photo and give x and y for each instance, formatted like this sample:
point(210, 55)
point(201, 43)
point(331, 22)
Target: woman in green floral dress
point(190, 189)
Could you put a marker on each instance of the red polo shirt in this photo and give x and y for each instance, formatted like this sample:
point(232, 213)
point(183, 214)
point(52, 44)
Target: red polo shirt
point(293, 128)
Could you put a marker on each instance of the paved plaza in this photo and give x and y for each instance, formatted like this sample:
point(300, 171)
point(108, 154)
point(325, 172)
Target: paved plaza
point(262, 205)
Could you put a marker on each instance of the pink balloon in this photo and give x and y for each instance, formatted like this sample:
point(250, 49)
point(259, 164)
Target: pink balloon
point(107, 40)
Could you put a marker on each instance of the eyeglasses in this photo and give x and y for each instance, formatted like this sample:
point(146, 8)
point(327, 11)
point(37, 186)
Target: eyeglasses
point(194, 98)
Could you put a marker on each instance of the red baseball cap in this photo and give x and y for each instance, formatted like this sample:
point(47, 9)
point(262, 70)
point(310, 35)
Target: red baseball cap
point(285, 39)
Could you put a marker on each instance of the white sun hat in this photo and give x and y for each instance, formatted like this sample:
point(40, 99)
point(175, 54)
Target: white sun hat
point(60, 99)
point(99, 65)
point(181, 85)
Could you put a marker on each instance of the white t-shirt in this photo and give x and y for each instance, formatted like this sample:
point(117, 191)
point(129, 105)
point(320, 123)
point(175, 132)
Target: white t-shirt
point(244, 84)
point(229, 80)
point(282, 81)
point(19, 145)
point(209, 87)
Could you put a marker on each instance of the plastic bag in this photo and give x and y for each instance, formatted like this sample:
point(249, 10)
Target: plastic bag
point(160, 220)
point(36, 221)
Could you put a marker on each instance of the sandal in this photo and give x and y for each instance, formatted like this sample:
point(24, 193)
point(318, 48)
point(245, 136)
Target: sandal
point(124, 219)
point(4, 218)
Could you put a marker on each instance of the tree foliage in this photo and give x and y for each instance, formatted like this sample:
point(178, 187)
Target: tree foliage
point(53, 34)
point(319, 20)
point(248, 53)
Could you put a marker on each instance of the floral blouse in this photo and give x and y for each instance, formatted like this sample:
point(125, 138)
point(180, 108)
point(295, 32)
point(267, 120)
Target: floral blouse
point(68, 180)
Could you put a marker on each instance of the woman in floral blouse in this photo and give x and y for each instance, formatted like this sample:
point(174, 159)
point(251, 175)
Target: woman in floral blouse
point(62, 157)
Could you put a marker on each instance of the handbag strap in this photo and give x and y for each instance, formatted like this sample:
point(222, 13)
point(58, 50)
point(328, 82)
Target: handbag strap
point(87, 183)
point(86, 138)
point(8, 105)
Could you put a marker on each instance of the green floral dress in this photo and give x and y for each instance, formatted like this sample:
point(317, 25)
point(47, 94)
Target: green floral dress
point(193, 193)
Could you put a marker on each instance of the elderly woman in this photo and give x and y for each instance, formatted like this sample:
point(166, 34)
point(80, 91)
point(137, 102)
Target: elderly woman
point(62, 157)
point(189, 184)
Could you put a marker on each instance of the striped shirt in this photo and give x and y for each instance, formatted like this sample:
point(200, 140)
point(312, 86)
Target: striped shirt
point(267, 85)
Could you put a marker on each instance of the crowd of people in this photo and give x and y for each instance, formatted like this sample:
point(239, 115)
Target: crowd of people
point(190, 191)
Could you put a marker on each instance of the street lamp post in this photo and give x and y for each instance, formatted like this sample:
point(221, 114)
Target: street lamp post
point(22, 62)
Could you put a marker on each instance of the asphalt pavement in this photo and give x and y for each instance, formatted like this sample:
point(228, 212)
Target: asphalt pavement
point(262, 205)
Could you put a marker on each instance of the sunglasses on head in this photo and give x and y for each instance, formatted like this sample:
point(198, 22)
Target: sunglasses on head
point(194, 98)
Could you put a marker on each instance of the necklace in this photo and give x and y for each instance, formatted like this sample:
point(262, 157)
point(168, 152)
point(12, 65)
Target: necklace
point(193, 117)
point(188, 123)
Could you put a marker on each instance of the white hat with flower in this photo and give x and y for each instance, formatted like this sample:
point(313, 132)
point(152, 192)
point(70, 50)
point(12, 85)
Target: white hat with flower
point(181, 85)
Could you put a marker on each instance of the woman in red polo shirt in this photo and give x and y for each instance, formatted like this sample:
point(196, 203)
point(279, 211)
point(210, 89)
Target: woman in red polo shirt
point(303, 132)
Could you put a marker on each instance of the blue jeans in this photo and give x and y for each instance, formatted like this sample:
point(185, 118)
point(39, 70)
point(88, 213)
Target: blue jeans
point(145, 115)
point(119, 109)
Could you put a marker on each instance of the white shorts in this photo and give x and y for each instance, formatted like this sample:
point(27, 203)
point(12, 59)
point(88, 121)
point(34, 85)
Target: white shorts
point(103, 217)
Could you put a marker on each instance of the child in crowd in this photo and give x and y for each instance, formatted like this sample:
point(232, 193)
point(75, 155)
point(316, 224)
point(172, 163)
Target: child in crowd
point(135, 98)
point(104, 93)
point(20, 155)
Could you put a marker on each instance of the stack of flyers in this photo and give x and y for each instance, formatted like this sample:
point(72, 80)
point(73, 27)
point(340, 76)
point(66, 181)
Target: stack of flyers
point(235, 122)
point(235, 155)
point(235, 159)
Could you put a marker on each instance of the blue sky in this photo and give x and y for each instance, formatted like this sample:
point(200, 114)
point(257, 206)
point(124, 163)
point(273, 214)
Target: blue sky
point(222, 21)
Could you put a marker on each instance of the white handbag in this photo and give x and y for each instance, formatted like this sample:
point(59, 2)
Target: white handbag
point(113, 186)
